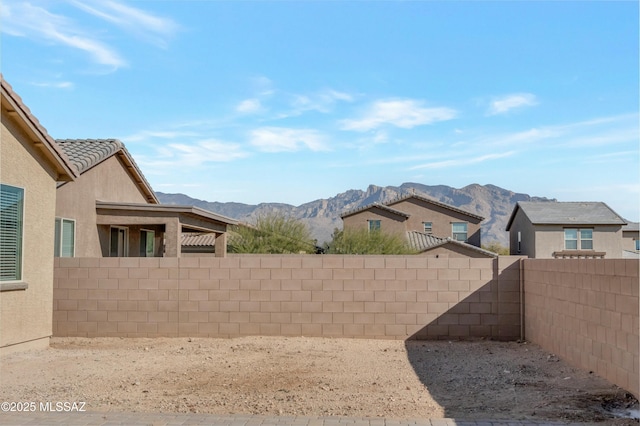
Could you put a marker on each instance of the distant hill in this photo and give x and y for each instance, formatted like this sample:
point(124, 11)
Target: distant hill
point(493, 203)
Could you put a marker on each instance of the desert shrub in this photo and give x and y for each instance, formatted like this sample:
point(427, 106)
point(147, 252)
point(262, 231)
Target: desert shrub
point(272, 233)
point(363, 241)
point(497, 248)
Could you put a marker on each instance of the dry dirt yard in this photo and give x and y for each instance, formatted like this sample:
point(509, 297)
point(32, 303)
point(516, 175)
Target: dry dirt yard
point(312, 376)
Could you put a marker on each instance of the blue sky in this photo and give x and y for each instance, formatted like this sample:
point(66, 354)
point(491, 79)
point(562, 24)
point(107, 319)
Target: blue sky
point(257, 101)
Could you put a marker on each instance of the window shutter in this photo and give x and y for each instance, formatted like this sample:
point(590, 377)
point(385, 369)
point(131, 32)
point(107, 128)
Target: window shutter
point(11, 206)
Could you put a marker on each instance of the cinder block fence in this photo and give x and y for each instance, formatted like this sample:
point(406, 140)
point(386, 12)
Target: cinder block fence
point(393, 297)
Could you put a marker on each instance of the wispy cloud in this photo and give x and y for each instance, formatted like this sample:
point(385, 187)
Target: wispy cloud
point(506, 103)
point(249, 106)
point(55, 85)
point(281, 139)
point(152, 28)
point(403, 113)
point(151, 135)
point(25, 20)
point(464, 161)
point(175, 156)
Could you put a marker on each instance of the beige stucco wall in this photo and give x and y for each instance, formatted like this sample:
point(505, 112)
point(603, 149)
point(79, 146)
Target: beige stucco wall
point(550, 238)
point(26, 315)
point(389, 222)
point(441, 219)
point(108, 181)
point(629, 240)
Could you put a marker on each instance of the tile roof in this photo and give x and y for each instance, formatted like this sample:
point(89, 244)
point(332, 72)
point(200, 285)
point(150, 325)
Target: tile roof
point(567, 213)
point(423, 242)
point(631, 226)
point(387, 206)
point(376, 205)
point(190, 239)
point(434, 202)
point(15, 107)
point(85, 154)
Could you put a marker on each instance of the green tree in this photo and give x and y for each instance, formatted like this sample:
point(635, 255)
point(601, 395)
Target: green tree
point(272, 233)
point(497, 248)
point(363, 241)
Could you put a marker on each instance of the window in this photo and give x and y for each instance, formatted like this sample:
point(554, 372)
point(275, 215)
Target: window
point(459, 231)
point(428, 227)
point(637, 244)
point(147, 243)
point(65, 239)
point(11, 225)
point(519, 241)
point(574, 238)
point(119, 242)
point(374, 225)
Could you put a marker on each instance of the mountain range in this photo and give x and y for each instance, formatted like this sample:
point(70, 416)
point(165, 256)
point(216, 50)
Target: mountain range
point(322, 216)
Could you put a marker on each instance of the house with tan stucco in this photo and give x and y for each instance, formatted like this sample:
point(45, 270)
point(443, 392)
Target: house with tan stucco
point(430, 227)
point(547, 230)
point(31, 164)
point(112, 211)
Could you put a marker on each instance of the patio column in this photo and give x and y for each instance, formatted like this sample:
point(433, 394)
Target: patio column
point(172, 238)
point(221, 245)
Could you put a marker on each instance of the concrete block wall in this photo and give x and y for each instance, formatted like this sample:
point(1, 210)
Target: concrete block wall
point(586, 312)
point(391, 297)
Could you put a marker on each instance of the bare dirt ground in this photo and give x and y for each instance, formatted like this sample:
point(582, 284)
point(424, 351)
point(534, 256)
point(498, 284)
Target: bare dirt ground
point(312, 376)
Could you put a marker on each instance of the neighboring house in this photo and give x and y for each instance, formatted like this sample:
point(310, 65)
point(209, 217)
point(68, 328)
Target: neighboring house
point(30, 165)
point(631, 240)
point(430, 226)
point(112, 211)
point(565, 230)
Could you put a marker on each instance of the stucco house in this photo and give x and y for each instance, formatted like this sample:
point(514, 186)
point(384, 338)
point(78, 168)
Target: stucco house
point(431, 227)
point(30, 166)
point(631, 240)
point(112, 211)
point(565, 230)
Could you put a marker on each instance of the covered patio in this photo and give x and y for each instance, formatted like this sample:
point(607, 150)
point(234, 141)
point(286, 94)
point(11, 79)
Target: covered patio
point(155, 230)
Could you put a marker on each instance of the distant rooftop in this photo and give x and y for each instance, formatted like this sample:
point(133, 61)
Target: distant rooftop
point(422, 242)
point(567, 213)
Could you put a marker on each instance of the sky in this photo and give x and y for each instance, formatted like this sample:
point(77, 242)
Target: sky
point(292, 101)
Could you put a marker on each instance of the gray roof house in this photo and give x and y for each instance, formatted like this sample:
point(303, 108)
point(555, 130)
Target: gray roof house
point(110, 210)
point(565, 230)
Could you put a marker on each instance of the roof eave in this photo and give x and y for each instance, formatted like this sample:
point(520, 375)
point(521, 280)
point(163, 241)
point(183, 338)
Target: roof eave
point(165, 208)
point(39, 136)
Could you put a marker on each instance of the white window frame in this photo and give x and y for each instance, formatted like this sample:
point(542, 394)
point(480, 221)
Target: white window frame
point(19, 271)
point(428, 227)
point(466, 233)
point(125, 242)
point(59, 238)
point(153, 251)
point(376, 221)
point(579, 239)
